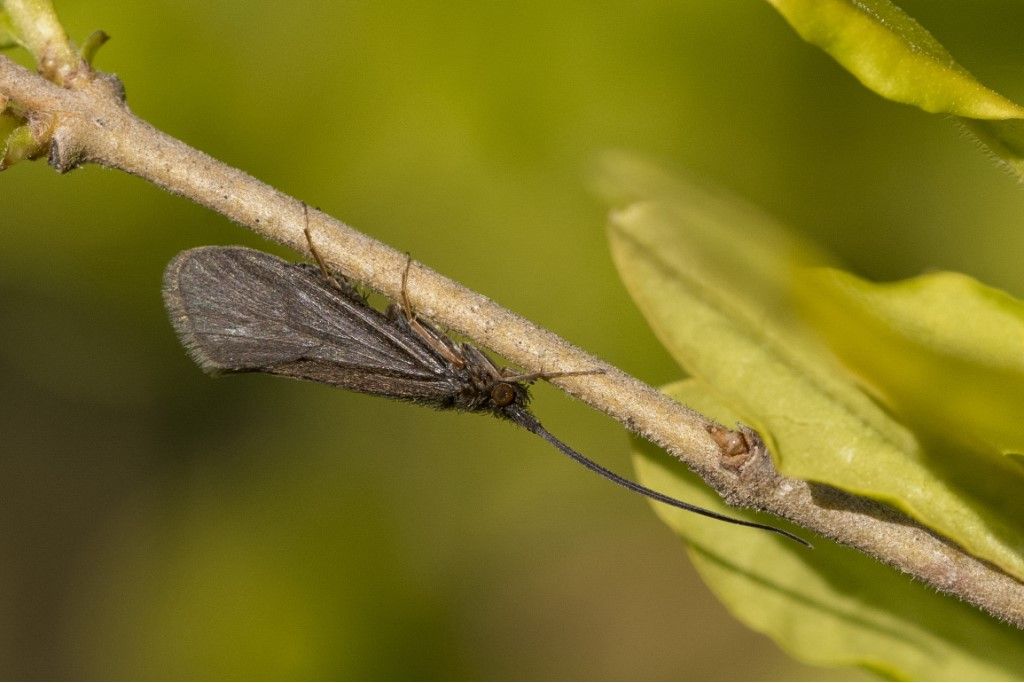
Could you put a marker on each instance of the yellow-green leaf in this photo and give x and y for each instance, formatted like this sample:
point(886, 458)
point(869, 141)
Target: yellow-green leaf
point(830, 606)
point(716, 281)
point(943, 350)
point(897, 58)
point(893, 55)
point(20, 144)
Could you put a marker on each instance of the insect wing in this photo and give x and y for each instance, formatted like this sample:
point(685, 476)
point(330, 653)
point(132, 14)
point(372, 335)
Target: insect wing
point(242, 310)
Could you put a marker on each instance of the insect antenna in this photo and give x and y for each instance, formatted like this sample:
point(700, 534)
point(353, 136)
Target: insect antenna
point(522, 417)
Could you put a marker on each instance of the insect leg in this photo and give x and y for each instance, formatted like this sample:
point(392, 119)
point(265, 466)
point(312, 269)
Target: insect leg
point(442, 345)
point(316, 254)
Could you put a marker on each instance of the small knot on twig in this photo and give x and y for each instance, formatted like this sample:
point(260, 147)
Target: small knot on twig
point(735, 448)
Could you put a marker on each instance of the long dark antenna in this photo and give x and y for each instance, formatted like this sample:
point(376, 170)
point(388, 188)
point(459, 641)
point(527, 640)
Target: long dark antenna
point(525, 419)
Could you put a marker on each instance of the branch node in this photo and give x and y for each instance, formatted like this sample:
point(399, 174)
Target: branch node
point(66, 152)
point(735, 446)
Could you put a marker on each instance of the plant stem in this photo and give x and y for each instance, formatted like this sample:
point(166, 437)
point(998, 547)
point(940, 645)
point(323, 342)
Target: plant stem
point(87, 121)
point(40, 31)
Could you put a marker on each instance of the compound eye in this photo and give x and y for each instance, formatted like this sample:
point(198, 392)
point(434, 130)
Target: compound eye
point(502, 394)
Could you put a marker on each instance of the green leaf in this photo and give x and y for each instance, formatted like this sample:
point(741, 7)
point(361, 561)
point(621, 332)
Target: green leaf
point(943, 350)
point(897, 58)
point(830, 606)
point(946, 354)
point(717, 282)
point(893, 55)
point(20, 144)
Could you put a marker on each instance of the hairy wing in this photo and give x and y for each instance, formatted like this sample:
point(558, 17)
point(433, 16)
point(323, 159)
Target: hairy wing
point(241, 310)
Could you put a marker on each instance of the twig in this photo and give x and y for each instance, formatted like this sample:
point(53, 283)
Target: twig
point(39, 30)
point(87, 121)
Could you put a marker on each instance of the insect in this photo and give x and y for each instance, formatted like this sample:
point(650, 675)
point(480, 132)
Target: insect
point(240, 310)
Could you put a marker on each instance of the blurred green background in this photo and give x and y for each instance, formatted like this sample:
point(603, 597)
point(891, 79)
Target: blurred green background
point(160, 524)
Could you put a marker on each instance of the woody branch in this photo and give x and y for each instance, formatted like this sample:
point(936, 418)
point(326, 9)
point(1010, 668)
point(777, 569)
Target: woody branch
point(77, 115)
